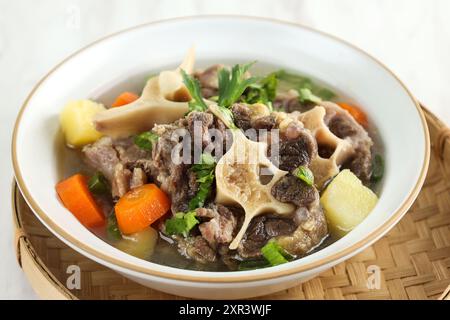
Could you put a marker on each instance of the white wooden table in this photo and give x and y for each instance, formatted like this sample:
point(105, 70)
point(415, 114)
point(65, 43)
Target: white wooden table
point(412, 37)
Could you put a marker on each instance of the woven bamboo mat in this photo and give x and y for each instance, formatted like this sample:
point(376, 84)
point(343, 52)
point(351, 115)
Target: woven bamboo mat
point(413, 258)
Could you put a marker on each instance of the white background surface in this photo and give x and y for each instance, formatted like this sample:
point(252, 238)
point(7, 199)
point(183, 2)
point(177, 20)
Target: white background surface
point(412, 37)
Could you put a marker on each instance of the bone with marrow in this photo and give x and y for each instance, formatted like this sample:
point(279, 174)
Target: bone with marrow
point(317, 122)
point(238, 179)
point(163, 100)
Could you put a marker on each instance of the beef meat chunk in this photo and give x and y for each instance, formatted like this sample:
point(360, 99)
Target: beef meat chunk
point(297, 234)
point(266, 122)
point(261, 230)
point(173, 177)
point(360, 165)
point(245, 118)
point(295, 153)
point(310, 232)
point(102, 156)
point(115, 159)
point(129, 153)
point(254, 239)
point(196, 248)
point(341, 126)
point(344, 126)
point(203, 121)
point(209, 82)
point(297, 147)
point(275, 227)
point(290, 189)
point(242, 116)
point(289, 102)
point(221, 226)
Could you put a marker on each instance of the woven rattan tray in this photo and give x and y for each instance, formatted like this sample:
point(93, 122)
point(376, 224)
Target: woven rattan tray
point(413, 258)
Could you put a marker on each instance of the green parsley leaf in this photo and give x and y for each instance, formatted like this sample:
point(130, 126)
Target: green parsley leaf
point(181, 223)
point(306, 95)
point(112, 228)
point(264, 91)
point(146, 140)
point(227, 117)
point(190, 219)
point(176, 224)
point(205, 177)
point(197, 103)
point(98, 184)
point(203, 192)
point(304, 174)
point(233, 84)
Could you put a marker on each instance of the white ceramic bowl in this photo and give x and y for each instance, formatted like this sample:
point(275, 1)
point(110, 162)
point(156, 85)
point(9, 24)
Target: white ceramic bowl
point(391, 107)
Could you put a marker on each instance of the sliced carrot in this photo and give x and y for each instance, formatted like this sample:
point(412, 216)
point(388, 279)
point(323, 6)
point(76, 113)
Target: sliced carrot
point(356, 113)
point(125, 98)
point(76, 197)
point(140, 207)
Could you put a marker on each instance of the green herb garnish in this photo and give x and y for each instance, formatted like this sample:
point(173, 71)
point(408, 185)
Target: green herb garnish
point(273, 253)
point(197, 103)
point(181, 223)
point(228, 117)
point(304, 174)
point(112, 228)
point(205, 177)
point(264, 91)
point(98, 184)
point(306, 95)
point(377, 168)
point(233, 84)
point(203, 192)
point(146, 140)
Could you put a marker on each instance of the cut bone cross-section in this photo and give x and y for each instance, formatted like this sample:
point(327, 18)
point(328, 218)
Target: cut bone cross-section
point(325, 169)
point(163, 100)
point(238, 181)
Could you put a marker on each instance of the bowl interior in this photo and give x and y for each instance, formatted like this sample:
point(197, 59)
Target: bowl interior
point(153, 47)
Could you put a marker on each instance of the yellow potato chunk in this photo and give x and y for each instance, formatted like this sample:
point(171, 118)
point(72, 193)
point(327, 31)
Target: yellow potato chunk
point(140, 244)
point(347, 202)
point(76, 122)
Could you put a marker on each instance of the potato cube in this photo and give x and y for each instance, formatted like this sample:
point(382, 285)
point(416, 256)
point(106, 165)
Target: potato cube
point(140, 244)
point(347, 202)
point(76, 122)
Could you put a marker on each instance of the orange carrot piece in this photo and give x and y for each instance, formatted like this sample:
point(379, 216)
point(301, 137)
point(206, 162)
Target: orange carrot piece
point(77, 198)
point(356, 113)
point(125, 98)
point(140, 207)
